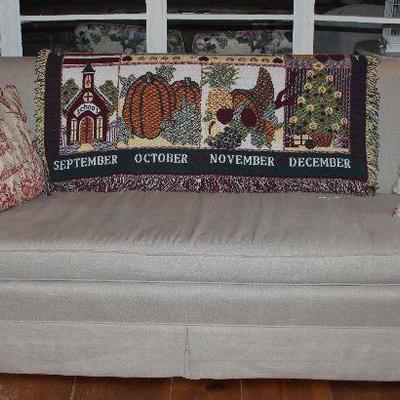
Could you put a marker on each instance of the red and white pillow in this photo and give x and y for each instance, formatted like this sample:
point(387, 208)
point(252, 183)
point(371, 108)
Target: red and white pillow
point(21, 171)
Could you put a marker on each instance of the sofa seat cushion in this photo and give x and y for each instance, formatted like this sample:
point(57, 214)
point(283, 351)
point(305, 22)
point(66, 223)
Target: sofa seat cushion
point(189, 237)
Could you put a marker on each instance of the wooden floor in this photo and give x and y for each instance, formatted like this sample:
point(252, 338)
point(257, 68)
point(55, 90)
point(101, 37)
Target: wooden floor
point(26, 387)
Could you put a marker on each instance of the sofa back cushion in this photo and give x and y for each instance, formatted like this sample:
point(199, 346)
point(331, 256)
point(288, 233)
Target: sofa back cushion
point(389, 123)
point(21, 171)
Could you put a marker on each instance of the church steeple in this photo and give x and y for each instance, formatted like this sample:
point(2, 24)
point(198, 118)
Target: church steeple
point(88, 77)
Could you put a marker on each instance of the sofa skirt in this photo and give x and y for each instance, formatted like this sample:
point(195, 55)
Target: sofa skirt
point(140, 329)
point(216, 352)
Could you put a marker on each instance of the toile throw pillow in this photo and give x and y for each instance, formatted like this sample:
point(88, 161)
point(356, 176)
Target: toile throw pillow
point(21, 171)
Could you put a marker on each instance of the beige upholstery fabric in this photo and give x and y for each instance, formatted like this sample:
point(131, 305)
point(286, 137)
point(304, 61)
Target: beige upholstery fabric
point(389, 123)
point(200, 331)
point(193, 351)
point(21, 72)
point(366, 354)
point(137, 236)
point(92, 349)
point(368, 306)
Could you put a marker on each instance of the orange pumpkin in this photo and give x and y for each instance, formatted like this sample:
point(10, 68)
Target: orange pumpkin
point(187, 91)
point(148, 104)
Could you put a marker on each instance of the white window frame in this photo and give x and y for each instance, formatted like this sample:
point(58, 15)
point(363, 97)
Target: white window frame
point(99, 127)
point(74, 130)
point(157, 17)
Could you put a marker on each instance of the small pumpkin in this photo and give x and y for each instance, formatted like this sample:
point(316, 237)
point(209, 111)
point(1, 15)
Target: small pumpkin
point(187, 91)
point(148, 104)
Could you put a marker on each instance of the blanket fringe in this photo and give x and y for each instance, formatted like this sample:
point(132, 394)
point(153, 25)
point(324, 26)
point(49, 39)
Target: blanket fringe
point(372, 134)
point(40, 91)
point(213, 184)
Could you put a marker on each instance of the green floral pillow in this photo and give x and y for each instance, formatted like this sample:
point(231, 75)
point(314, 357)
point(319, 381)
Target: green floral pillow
point(244, 42)
point(118, 38)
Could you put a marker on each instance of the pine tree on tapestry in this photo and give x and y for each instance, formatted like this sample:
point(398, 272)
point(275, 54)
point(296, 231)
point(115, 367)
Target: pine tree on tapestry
point(68, 91)
point(320, 118)
point(111, 92)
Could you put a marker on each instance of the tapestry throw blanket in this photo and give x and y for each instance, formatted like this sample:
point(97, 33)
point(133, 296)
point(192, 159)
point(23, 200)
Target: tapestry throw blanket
point(208, 123)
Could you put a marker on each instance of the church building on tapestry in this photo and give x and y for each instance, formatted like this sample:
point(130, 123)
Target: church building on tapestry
point(87, 112)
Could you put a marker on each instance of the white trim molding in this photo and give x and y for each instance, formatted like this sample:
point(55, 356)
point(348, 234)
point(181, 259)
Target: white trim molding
point(82, 17)
point(303, 26)
point(10, 28)
point(156, 26)
point(351, 19)
point(228, 17)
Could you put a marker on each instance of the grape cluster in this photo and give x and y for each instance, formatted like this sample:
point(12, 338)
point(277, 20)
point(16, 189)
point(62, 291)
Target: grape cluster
point(229, 139)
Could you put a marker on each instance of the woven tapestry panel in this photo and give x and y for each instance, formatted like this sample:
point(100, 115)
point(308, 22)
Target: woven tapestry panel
point(215, 124)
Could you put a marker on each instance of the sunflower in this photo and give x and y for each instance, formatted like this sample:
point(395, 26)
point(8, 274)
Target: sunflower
point(329, 110)
point(301, 100)
point(319, 66)
point(329, 78)
point(310, 73)
point(313, 126)
point(308, 86)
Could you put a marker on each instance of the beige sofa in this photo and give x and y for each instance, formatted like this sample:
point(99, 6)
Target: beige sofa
point(204, 285)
